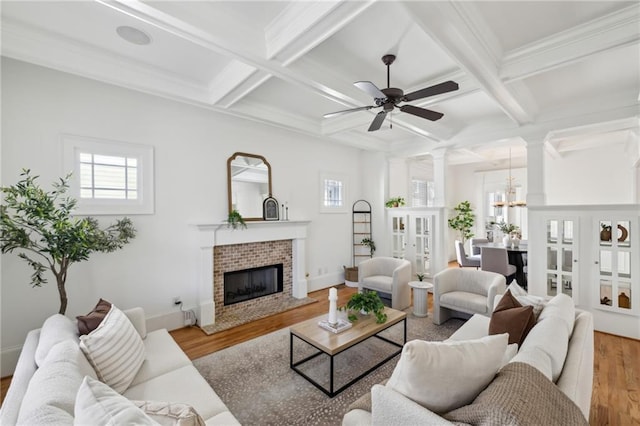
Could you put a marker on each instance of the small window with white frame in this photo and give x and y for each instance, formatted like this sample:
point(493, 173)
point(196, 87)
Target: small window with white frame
point(109, 177)
point(333, 190)
point(423, 193)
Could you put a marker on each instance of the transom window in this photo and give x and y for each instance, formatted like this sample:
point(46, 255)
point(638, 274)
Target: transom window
point(109, 177)
point(333, 193)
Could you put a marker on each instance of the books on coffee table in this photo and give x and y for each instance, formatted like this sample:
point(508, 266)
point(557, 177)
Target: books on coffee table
point(341, 325)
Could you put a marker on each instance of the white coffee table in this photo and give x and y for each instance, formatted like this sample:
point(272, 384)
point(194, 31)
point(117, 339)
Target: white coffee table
point(420, 292)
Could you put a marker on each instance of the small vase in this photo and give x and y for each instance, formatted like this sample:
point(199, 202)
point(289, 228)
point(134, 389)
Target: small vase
point(506, 240)
point(515, 241)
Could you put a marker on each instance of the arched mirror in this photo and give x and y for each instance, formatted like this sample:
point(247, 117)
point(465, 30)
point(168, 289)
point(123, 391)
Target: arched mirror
point(249, 183)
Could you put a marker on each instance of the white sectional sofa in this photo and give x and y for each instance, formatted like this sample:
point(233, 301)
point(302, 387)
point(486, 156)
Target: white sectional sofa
point(51, 370)
point(560, 346)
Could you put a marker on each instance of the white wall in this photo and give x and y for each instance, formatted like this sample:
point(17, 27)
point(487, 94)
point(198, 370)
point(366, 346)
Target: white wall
point(191, 149)
point(602, 175)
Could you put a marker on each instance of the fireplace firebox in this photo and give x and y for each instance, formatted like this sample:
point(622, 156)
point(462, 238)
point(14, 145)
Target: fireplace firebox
point(247, 284)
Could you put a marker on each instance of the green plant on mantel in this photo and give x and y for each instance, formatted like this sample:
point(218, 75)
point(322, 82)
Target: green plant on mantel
point(395, 202)
point(369, 243)
point(39, 225)
point(236, 220)
point(463, 220)
point(366, 302)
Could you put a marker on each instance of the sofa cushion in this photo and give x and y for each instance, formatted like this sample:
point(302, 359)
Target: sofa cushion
point(560, 306)
point(54, 330)
point(51, 394)
point(115, 350)
point(378, 282)
point(91, 321)
point(185, 385)
point(162, 354)
point(98, 404)
point(512, 318)
point(466, 301)
point(170, 413)
point(442, 376)
point(551, 337)
point(519, 395)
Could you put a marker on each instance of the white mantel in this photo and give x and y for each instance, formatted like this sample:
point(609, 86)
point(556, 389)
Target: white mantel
point(218, 234)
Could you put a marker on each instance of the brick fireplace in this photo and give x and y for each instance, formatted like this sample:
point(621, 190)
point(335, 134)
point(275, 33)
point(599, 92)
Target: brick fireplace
point(242, 257)
point(262, 243)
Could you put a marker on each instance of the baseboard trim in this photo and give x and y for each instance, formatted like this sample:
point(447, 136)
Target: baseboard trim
point(325, 281)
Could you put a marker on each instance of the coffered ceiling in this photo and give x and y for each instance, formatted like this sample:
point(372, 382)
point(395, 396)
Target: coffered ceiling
point(563, 72)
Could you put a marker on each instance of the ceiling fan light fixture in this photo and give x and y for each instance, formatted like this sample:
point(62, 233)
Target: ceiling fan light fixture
point(133, 35)
point(389, 98)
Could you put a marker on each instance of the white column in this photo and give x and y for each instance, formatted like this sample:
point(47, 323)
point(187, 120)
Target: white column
point(536, 195)
point(299, 285)
point(440, 176)
point(207, 311)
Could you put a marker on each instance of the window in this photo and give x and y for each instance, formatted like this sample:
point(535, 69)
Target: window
point(334, 193)
point(422, 193)
point(109, 177)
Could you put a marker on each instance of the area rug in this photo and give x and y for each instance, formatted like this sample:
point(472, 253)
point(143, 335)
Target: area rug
point(256, 383)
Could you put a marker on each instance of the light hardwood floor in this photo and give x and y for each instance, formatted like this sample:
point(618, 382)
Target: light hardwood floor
point(616, 387)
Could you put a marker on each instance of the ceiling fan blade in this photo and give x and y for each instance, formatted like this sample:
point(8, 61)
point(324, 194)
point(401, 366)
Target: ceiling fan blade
point(333, 114)
point(377, 121)
point(370, 88)
point(447, 86)
point(422, 112)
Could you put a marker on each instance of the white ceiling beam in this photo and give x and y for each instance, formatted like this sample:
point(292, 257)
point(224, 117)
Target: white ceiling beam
point(551, 148)
point(232, 76)
point(453, 29)
point(247, 86)
point(221, 46)
point(616, 30)
point(303, 25)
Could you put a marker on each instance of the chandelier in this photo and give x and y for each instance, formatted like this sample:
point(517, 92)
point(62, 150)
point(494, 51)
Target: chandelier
point(510, 192)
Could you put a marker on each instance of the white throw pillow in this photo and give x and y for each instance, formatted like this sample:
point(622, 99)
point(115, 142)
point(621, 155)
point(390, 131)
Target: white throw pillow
point(98, 404)
point(54, 330)
point(526, 299)
point(115, 350)
point(561, 307)
point(443, 376)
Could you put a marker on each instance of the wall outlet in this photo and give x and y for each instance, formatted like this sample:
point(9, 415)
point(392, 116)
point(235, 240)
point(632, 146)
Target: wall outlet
point(177, 301)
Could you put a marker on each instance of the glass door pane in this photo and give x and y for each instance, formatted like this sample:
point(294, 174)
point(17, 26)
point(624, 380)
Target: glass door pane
point(605, 292)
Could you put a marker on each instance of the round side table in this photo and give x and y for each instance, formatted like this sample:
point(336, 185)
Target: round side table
point(420, 291)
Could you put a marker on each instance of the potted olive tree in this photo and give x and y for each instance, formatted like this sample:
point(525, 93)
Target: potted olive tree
point(463, 220)
point(39, 225)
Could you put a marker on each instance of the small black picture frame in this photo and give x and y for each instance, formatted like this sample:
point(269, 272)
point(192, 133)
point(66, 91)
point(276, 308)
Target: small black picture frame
point(270, 209)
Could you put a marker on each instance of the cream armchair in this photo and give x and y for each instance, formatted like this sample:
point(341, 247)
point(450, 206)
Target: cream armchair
point(387, 275)
point(461, 293)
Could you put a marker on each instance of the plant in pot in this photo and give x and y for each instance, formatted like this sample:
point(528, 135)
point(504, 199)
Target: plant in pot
point(40, 226)
point(367, 302)
point(369, 243)
point(420, 277)
point(463, 220)
point(235, 220)
point(395, 202)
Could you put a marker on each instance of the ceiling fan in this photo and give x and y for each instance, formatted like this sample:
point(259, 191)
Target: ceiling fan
point(390, 97)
